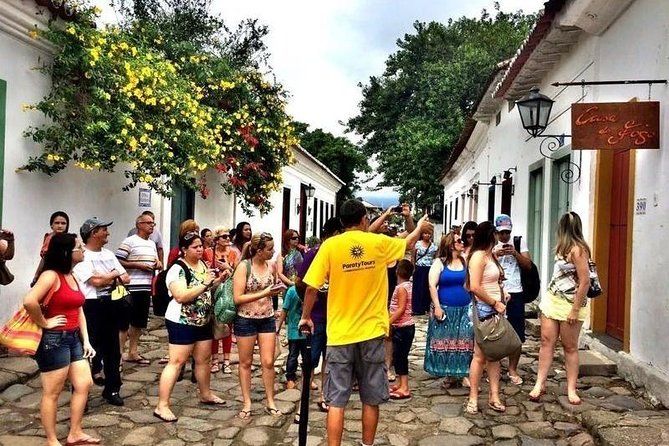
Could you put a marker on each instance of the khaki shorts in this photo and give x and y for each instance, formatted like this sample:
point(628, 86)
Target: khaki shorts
point(363, 359)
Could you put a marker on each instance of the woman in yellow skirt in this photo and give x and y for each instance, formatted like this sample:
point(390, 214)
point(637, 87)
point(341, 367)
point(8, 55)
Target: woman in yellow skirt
point(563, 307)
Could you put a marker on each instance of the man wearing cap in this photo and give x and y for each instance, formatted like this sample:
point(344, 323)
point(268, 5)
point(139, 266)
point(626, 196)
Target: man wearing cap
point(97, 274)
point(512, 261)
point(138, 254)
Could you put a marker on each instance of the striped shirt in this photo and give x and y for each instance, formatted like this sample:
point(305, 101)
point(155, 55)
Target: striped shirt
point(136, 249)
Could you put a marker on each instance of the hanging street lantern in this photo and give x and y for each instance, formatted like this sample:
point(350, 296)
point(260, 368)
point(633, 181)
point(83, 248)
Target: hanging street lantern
point(310, 190)
point(535, 110)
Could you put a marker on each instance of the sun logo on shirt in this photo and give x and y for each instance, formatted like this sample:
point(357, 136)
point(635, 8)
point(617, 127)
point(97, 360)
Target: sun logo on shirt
point(357, 251)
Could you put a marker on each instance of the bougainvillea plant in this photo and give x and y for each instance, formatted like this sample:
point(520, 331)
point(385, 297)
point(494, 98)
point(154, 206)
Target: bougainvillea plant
point(117, 101)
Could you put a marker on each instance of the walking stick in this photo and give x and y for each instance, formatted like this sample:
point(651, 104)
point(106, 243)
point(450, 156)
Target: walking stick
point(306, 387)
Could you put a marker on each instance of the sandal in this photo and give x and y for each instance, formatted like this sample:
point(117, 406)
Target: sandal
point(537, 398)
point(465, 383)
point(471, 407)
point(497, 406)
point(322, 406)
point(273, 411)
point(244, 414)
point(172, 419)
point(84, 441)
point(391, 377)
point(226, 369)
point(216, 401)
point(516, 380)
point(314, 386)
point(296, 419)
point(446, 384)
point(215, 368)
point(575, 402)
point(164, 360)
point(140, 360)
point(400, 396)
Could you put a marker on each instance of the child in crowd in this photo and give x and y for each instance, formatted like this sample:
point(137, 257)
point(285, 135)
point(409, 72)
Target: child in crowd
point(297, 343)
point(402, 328)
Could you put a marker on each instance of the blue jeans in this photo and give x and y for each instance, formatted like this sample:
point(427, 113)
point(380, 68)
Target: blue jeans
point(58, 349)
point(295, 348)
point(318, 343)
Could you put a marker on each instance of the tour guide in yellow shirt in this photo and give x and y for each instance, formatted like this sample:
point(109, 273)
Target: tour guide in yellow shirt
point(355, 265)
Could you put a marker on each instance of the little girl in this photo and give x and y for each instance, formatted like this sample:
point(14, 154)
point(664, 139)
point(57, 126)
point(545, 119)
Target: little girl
point(402, 329)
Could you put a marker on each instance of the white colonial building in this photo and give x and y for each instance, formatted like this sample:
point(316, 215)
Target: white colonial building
point(28, 199)
point(622, 196)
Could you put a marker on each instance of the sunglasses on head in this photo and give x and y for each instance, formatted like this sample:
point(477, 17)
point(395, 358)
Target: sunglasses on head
point(266, 236)
point(190, 235)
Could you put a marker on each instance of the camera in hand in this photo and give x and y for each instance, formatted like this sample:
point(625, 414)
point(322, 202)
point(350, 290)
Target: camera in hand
point(397, 209)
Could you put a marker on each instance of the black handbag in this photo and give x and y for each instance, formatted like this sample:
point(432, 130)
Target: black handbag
point(529, 278)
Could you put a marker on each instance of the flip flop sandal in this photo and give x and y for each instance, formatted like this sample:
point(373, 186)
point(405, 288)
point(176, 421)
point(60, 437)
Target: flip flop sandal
point(446, 384)
point(399, 396)
point(471, 408)
point(314, 386)
point(537, 399)
point(516, 380)
point(497, 407)
point(392, 378)
point(216, 402)
point(165, 419)
point(226, 369)
point(244, 414)
point(139, 361)
point(164, 360)
point(322, 406)
point(215, 368)
point(296, 420)
point(84, 441)
point(273, 412)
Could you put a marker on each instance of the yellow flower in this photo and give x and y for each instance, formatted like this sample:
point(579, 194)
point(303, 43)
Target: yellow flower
point(33, 33)
point(124, 132)
point(148, 126)
point(71, 30)
point(144, 139)
point(173, 121)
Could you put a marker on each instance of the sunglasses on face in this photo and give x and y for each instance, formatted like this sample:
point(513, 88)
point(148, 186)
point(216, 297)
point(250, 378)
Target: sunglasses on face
point(458, 241)
point(295, 238)
point(224, 236)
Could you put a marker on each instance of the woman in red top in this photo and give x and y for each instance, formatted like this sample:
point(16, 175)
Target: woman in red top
point(55, 303)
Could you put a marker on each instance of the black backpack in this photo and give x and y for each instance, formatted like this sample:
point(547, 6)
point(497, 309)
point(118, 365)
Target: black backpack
point(529, 278)
point(160, 294)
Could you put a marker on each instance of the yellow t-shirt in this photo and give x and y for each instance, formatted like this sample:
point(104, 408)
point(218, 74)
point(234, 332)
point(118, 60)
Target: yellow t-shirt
point(355, 265)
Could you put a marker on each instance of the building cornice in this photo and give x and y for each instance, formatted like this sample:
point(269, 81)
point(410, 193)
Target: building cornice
point(19, 17)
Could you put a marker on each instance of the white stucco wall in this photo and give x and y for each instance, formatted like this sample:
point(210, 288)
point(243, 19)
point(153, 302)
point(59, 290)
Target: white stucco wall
point(635, 46)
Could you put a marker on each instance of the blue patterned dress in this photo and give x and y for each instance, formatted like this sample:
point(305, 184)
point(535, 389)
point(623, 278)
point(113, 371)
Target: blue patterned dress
point(450, 344)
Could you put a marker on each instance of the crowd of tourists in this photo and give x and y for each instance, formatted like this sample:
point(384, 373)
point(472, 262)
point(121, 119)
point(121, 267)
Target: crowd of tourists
point(353, 297)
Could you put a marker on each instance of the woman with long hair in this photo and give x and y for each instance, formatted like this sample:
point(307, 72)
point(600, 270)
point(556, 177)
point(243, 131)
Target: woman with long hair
point(422, 257)
point(223, 259)
point(242, 236)
point(255, 283)
point(288, 261)
point(563, 307)
point(64, 350)
point(188, 323)
point(484, 280)
point(60, 224)
point(450, 336)
point(467, 234)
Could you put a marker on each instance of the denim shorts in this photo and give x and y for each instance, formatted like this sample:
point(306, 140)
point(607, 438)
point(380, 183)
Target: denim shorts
point(183, 334)
point(58, 349)
point(318, 343)
point(245, 326)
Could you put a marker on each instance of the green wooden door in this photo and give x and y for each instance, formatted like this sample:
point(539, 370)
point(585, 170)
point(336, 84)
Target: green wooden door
point(183, 208)
point(535, 214)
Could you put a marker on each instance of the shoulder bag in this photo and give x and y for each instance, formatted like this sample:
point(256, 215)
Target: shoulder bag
point(495, 336)
point(225, 309)
point(21, 334)
point(529, 278)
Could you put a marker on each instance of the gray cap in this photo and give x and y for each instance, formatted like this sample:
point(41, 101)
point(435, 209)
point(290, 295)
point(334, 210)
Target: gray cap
point(91, 224)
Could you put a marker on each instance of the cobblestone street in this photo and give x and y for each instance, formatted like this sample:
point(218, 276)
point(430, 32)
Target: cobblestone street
point(612, 412)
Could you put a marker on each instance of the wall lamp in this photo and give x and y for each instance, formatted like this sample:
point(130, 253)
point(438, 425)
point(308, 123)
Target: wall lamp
point(309, 191)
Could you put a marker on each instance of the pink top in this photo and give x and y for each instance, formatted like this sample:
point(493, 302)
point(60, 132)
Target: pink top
point(405, 319)
point(261, 308)
point(490, 282)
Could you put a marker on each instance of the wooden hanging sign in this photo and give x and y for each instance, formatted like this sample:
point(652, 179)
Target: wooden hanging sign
point(615, 125)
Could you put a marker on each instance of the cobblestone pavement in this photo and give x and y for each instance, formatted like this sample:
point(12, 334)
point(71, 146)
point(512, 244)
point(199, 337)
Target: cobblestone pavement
point(612, 412)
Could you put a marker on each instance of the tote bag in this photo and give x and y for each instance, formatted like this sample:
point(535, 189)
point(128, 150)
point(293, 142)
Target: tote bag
point(495, 336)
point(21, 334)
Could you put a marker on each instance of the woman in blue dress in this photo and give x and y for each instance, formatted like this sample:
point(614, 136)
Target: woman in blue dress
point(450, 337)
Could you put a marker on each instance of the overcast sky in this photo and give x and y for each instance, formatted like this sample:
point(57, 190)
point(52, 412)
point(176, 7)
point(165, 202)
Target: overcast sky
point(321, 50)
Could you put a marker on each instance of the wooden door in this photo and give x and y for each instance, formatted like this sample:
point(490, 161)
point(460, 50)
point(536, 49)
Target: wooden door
point(303, 213)
point(183, 208)
point(615, 306)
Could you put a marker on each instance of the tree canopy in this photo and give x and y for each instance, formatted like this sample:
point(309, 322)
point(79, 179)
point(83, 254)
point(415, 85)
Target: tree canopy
point(411, 116)
point(168, 95)
point(340, 155)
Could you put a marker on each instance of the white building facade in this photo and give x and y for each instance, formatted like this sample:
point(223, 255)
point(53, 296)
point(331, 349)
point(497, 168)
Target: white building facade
point(588, 40)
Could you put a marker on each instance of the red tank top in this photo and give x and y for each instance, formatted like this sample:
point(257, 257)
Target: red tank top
point(67, 302)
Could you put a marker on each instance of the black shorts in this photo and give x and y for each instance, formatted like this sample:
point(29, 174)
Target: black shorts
point(137, 310)
point(182, 334)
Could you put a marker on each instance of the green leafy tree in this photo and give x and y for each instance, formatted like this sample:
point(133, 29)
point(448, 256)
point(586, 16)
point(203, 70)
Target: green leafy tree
point(412, 115)
point(340, 155)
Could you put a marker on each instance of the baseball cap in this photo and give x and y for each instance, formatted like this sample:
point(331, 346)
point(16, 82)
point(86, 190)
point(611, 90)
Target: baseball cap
point(503, 223)
point(91, 224)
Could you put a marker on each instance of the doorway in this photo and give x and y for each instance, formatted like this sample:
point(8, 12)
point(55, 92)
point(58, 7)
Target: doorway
point(285, 212)
point(183, 208)
point(303, 212)
point(612, 243)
